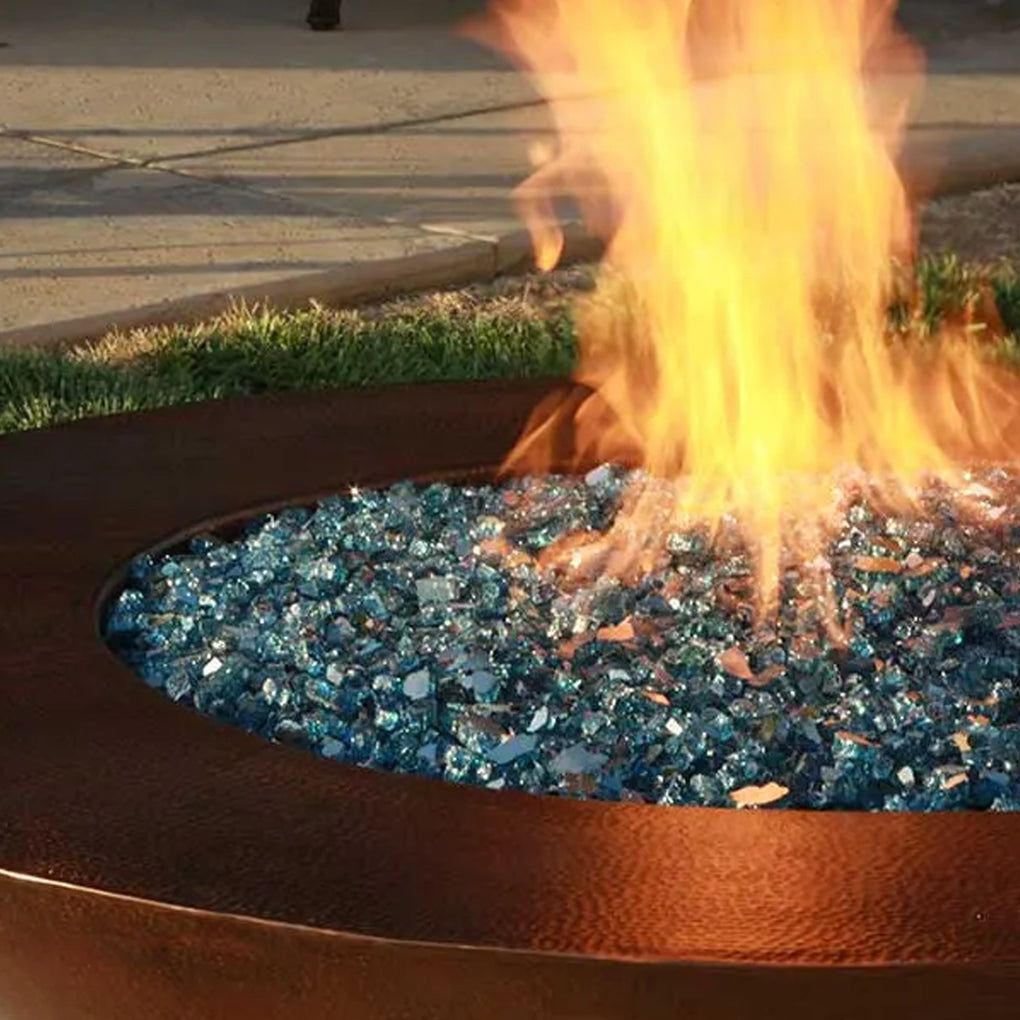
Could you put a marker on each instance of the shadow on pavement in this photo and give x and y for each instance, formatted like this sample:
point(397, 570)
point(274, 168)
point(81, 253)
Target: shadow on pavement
point(412, 35)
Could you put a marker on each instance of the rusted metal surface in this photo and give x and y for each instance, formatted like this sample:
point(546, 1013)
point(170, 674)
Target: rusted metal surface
point(107, 786)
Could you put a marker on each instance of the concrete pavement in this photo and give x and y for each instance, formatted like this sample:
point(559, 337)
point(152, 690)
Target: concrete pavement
point(153, 154)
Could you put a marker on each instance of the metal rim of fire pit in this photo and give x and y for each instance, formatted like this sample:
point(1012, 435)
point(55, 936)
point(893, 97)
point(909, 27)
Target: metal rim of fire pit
point(106, 787)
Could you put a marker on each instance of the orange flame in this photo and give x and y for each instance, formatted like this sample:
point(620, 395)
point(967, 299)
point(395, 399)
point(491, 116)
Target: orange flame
point(738, 157)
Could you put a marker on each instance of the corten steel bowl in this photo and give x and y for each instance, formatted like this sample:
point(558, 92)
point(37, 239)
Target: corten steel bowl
point(158, 865)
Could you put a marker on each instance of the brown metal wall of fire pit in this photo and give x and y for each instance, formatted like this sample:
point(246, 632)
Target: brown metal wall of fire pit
point(317, 889)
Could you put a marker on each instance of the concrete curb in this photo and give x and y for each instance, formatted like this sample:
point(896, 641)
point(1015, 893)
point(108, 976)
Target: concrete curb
point(349, 283)
point(937, 162)
point(933, 163)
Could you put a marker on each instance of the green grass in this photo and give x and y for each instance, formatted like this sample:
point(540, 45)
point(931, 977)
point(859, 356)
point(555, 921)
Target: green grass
point(256, 350)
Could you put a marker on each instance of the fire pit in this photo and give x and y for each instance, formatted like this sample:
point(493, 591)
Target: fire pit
point(311, 885)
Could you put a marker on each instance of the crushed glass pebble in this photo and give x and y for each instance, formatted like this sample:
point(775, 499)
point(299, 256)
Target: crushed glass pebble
point(412, 629)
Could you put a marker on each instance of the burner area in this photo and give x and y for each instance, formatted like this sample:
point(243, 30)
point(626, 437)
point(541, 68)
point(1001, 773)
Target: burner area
point(414, 629)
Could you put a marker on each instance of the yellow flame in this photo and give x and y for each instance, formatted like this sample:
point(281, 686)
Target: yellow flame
point(738, 156)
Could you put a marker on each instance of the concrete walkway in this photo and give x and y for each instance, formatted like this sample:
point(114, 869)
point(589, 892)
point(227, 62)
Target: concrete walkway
point(153, 152)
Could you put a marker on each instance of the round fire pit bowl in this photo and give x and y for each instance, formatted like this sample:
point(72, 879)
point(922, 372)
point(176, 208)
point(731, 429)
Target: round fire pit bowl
point(158, 864)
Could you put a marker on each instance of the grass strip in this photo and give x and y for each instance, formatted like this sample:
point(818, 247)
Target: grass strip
point(257, 350)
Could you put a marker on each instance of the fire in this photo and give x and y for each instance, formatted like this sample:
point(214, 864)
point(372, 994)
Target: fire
point(739, 159)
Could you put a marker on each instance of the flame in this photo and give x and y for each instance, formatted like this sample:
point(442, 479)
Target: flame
point(739, 159)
